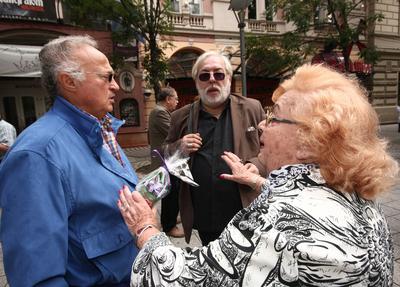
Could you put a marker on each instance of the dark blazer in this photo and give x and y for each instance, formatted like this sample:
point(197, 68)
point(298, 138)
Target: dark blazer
point(246, 114)
point(159, 122)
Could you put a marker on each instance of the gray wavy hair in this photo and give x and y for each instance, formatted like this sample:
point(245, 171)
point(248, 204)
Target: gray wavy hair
point(204, 56)
point(57, 56)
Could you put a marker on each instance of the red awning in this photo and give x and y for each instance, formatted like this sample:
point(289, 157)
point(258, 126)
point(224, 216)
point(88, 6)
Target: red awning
point(336, 61)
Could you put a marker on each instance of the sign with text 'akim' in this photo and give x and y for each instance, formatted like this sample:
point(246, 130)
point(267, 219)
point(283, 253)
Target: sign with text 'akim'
point(32, 10)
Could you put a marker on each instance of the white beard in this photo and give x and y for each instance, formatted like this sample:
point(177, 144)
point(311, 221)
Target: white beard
point(214, 102)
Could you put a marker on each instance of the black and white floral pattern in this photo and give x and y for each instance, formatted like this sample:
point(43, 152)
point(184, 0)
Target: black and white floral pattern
point(298, 232)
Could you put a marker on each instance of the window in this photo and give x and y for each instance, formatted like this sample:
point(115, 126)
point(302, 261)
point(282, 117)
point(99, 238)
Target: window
point(175, 6)
point(252, 10)
point(28, 104)
point(10, 109)
point(322, 17)
point(194, 6)
point(269, 10)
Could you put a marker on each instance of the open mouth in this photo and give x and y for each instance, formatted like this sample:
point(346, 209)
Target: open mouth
point(212, 90)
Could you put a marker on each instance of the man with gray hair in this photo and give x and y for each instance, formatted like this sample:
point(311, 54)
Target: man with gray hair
point(59, 184)
point(218, 122)
point(159, 122)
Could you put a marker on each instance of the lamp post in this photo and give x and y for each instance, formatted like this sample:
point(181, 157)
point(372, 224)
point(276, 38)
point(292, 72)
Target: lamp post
point(238, 7)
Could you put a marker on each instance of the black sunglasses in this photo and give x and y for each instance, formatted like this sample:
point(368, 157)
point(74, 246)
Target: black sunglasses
point(108, 76)
point(218, 76)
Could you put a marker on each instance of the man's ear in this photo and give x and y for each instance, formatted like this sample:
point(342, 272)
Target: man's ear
point(66, 82)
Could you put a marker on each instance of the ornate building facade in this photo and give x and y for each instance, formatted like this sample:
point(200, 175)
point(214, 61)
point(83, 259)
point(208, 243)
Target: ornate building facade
point(203, 25)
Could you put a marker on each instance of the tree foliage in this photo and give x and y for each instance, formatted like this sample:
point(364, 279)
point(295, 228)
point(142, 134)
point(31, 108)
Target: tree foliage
point(143, 20)
point(338, 23)
point(273, 56)
point(343, 22)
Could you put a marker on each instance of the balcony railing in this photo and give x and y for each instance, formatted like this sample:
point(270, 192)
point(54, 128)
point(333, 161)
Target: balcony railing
point(186, 19)
point(262, 26)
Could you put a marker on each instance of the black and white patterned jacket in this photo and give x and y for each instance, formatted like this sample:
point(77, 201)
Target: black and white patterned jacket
point(298, 232)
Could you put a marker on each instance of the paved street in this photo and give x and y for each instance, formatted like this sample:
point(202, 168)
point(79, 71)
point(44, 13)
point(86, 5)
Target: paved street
point(390, 203)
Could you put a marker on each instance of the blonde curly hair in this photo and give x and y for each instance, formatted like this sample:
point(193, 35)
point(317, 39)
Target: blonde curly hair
point(340, 128)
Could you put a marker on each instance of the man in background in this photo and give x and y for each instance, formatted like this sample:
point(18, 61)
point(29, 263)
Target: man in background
point(159, 123)
point(7, 136)
point(218, 122)
point(59, 183)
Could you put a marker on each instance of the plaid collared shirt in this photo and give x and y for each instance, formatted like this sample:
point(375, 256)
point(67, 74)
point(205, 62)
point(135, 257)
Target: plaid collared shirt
point(110, 141)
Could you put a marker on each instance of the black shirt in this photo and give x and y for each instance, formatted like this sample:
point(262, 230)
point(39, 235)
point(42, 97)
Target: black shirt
point(215, 201)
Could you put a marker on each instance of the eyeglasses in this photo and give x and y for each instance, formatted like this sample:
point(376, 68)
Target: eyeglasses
point(270, 118)
point(218, 76)
point(109, 76)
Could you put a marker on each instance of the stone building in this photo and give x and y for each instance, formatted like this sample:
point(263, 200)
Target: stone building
point(199, 26)
point(386, 76)
point(203, 25)
point(24, 29)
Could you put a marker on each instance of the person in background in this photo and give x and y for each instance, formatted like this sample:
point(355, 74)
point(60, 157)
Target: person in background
point(60, 225)
point(316, 222)
point(159, 123)
point(7, 136)
point(218, 121)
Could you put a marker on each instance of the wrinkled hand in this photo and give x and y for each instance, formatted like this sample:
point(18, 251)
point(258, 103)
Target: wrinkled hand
point(241, 173)
point(135, 210)
point(191, 143)
point(251, 168)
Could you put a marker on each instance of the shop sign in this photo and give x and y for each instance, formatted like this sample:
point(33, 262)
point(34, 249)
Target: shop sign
point(33, 10)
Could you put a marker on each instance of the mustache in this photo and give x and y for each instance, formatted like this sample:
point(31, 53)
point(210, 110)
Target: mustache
point(212, 87)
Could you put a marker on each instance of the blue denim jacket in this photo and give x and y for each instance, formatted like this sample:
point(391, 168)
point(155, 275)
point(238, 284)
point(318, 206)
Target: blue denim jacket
point(59, 188)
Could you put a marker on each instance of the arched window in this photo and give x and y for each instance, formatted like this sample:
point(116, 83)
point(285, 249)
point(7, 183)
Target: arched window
point(180, 64)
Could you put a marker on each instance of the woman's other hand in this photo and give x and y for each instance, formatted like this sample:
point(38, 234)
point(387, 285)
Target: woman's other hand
point(241, 173)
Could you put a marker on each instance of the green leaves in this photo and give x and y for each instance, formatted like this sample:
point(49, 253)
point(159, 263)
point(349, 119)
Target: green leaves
point(272, 56)
point(144, 20)
point(344, 22)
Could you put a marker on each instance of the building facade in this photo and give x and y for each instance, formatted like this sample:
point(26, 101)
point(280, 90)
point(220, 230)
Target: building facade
point(386, 77)
point(204, 25)
point(24, 29)
point(199, 26)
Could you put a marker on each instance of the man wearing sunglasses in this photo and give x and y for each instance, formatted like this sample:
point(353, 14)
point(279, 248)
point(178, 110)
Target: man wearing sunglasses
point(59, 183)
point(219, 121)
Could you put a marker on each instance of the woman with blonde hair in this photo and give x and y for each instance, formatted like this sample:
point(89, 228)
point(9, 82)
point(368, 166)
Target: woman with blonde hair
point(316, 221)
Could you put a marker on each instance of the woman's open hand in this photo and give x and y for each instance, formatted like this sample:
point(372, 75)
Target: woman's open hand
point(241, 173)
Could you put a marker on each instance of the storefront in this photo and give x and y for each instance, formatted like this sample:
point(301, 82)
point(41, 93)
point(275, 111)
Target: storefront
point(24, 29)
